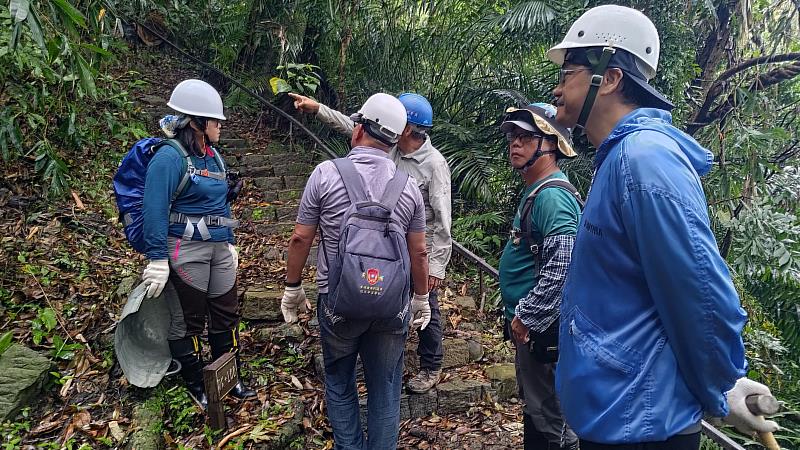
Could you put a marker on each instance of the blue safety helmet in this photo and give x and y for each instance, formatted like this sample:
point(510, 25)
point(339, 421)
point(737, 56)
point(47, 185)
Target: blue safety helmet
point(418, 109)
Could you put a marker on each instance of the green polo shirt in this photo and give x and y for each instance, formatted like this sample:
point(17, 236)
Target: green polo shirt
point(553, 213)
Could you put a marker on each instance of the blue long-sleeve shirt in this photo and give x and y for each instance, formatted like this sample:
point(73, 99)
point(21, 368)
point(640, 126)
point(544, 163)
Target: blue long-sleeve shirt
point(651, 324)
point(203, 196)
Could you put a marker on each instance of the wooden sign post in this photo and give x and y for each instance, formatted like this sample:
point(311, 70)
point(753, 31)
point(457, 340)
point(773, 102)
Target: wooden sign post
point(219, 378)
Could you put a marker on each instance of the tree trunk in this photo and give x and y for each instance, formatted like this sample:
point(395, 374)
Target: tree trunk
point(347, 36)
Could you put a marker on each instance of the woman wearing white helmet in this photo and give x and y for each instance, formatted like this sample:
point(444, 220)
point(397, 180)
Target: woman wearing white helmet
point(651, 323)
point(189, 233)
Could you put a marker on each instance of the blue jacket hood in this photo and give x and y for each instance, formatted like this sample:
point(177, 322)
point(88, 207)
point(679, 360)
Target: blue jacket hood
point(659, 120)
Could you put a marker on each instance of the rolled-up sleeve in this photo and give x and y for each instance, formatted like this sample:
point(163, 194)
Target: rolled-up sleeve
point(335, 120)
point(440, 201)
point(540, 307)
point(309, 210)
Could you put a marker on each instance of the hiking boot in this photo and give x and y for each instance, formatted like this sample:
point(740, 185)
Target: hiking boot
point(228, 341)
point(187, 352)
point(424, 381)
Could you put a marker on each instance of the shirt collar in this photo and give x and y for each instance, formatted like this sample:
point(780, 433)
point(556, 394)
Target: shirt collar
point(360, 150)
point(419, 154)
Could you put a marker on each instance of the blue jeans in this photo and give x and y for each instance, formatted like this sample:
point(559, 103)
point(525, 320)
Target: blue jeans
point(429, 348)
point(381, 344)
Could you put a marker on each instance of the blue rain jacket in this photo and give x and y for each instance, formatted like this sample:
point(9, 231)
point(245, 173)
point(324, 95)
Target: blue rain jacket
point(650, 335)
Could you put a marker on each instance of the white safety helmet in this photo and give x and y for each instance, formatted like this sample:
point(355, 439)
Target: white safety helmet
point(384, 117)
point(196, 98)
point(613, 26)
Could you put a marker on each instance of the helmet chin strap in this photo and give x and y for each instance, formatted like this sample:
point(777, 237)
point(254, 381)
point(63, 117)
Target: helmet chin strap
point(598, 70)
point(535, 157)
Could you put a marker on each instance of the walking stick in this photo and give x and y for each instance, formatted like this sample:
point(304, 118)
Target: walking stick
point(764, 405)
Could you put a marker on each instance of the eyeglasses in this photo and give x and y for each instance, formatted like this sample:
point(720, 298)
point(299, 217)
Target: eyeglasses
point(564, 73)
point(525, 138)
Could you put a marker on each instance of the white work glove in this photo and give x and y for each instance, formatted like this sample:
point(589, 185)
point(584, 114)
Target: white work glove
point(294, 298)
point(234, 255)
point(420, 311)
point(741, 417)
point(155, 277)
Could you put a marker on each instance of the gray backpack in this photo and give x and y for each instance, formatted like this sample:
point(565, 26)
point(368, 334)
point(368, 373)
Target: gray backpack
point(370, 275)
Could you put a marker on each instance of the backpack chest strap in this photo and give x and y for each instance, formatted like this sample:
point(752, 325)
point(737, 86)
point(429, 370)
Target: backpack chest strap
point(205, 173)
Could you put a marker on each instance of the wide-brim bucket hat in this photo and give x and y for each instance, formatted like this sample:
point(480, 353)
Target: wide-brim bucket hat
point(544, 121)
point(140, 338)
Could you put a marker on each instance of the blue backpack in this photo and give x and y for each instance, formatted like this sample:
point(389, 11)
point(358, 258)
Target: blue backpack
point(370, 276)
point(129, 183)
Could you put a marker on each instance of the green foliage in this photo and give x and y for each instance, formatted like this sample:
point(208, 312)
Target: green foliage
point(179, 409)
point(43, 324)
point(5, 341)
point(481, 233)
point(299, 78)
point(12, 433)
point(58, 102)
point(63, 350)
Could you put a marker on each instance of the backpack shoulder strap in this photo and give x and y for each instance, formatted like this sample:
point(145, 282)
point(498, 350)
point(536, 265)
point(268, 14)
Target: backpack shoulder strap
point(394, 189)
point(220, 162)
point(525, 216)
point(352, 180)
point(188, 166)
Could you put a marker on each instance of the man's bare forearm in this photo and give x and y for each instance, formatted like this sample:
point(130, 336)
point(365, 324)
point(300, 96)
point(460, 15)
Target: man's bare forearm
point(419, 261)
point(299, 247)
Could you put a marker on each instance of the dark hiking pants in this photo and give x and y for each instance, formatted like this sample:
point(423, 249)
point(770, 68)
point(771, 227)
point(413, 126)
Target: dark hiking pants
point(204, 276)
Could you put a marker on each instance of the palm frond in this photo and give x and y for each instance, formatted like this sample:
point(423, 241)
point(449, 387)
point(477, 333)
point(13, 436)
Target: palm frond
point(511, 94)
point(527, 16)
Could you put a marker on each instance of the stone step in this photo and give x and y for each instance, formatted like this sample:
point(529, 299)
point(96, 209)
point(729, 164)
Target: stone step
point(158, 111)
point(290, 332)
point(289, 195)
point(312, 256)
point(280, 183)
point(264, 303)
point(276, 148)
point(293, 168)
point(153, 100)
point(278, 229)
point(228, 152)
point(285, 158)
point(452, 397)
point(256, 171)
point(276, 213)
point(503, 377)
point(270, 183)
point(465, 302)
point(295, 182)
point(286, 213)
point(457, 352)
point(233, 142)
point(254, 160)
